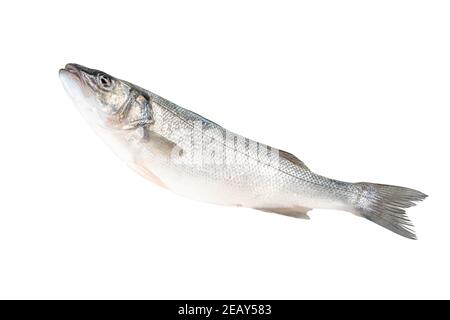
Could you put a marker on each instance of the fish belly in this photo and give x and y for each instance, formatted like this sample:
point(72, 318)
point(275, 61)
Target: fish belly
point(254, 186)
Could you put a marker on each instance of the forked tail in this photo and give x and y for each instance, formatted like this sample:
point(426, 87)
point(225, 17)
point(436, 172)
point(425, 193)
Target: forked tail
point(385, 205)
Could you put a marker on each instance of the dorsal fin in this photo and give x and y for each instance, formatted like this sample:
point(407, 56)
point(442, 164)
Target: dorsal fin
point(290, 157)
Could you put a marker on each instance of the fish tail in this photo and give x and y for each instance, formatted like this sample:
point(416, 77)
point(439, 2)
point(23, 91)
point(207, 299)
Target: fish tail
point(385, 205)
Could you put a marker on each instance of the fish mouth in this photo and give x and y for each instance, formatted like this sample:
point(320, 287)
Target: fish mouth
point(73, 81)
point(71, 69)
point(77, 69)
point(70, 72)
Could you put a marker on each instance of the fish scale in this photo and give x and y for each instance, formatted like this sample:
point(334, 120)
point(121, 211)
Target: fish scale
point(256, 171)
point(192, 156)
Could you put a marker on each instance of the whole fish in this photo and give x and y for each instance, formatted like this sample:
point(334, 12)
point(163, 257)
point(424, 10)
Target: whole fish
point(192, 156)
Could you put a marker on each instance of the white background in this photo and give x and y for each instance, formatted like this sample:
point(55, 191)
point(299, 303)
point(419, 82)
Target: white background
point(359, 90)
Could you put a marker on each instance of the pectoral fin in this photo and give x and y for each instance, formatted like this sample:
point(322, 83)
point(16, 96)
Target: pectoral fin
point(161, 144)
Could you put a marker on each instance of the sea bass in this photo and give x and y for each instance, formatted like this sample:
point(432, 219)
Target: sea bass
point(194, 157)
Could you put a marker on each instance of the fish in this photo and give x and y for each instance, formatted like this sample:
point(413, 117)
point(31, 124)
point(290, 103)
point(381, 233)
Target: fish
point(179, 150)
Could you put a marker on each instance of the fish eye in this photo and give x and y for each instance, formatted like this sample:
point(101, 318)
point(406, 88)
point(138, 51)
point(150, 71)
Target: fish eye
point(104, 81)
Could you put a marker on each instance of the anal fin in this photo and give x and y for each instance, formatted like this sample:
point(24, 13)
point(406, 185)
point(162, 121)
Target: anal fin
point(295, 212)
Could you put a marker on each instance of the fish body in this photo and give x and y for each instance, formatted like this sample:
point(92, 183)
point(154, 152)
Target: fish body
point(194, 157)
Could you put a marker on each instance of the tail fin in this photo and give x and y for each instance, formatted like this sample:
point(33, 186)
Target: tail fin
point(385, 205)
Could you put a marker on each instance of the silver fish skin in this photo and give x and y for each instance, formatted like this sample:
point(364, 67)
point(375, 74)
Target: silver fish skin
point(192, 156)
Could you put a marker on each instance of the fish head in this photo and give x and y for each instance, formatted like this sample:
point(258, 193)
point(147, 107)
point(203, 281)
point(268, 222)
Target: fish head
point(99, 96)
